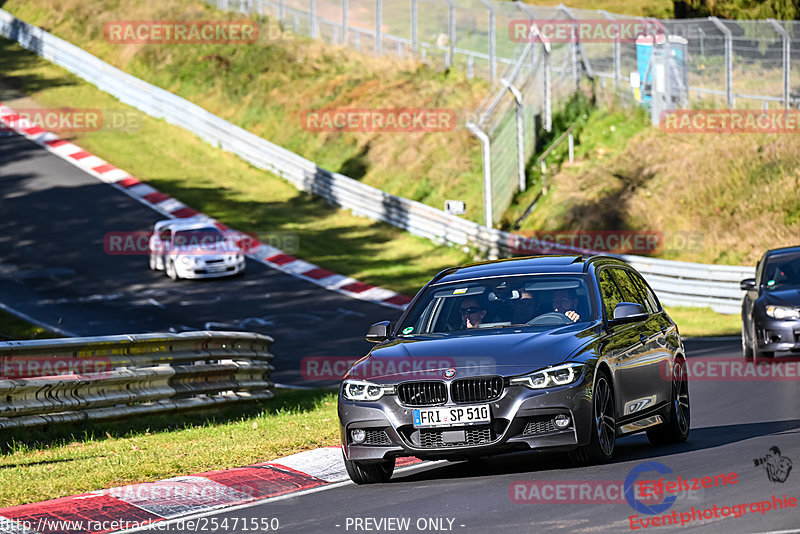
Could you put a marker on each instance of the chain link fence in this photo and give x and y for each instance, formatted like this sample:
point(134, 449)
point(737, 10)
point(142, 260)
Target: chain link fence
point(707, 63)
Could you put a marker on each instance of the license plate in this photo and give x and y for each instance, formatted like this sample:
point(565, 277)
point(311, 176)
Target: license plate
point(451, 416)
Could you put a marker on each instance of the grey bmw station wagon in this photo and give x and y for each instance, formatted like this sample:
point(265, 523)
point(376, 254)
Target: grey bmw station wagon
point(564, 353)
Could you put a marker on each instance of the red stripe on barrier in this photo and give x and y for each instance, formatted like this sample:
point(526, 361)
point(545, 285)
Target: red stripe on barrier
point(82, 510)
point(357, 287)
point(33, 130)
point(318, 273)
point(56, 142)
point(80, 155)
point(264, 482)
point(281, 259)
point(184, 213)
point(11, 117)
point(128, 182)
point(104, 168)
point(156, 197)
point(399, 300)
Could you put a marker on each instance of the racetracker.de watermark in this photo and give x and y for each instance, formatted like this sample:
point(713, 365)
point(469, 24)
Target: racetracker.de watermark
point(180, 32)
point(13, 368)
point(75, 119)
point(728, 370)
point(641, 242)
point(124, 243)
point(387, 120)
point(335, 367)
point(730, 121)
point(585, 31)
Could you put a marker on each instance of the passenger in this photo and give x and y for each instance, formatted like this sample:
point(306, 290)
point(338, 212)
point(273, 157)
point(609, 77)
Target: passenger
point(524, 308)
point(566, 301)
point(472, 313)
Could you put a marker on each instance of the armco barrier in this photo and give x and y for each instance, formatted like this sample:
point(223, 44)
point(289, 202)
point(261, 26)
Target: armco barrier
point(130, 375)
point(678, 283)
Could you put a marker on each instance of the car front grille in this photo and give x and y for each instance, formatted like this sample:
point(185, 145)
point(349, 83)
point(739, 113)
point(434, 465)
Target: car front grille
point(220, 260)
point(477, 435)
point(422, 393)
point(377, 437)
point(476, 389)
point(542, 424)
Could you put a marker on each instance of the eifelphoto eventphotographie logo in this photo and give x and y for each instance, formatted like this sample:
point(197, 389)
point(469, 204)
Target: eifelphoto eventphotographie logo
point(776, 465)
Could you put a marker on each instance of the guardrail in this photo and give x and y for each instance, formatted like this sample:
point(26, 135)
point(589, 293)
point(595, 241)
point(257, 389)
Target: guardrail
point(677, 283)
point(97, 378)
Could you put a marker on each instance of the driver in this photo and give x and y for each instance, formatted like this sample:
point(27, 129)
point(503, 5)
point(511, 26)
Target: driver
point(472, 313)
point(566, 301)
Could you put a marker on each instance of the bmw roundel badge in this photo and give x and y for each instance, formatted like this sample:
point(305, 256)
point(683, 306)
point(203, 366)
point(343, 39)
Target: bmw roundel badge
point(450, 373)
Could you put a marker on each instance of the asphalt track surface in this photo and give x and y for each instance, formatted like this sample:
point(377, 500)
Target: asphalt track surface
point(53, 268)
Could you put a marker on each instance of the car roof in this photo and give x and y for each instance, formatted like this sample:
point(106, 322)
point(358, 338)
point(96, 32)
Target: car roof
point(518, 266)
point(782, 250)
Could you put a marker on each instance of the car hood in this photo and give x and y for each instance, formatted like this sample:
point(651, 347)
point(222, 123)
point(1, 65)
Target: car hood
point(783, 297)
point(199, 250)
point(495, 352)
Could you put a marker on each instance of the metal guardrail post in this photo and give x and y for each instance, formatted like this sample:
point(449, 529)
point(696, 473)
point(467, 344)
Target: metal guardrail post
point(492, 41)
point(787, 54)
point(344, 21)
point(312, 19)
point(486, 145)
point(451, 34)
point(617, 49)
point(415, 25)
point(728, 60)
point(520, 132)
point(573, 47)
point(379, 27)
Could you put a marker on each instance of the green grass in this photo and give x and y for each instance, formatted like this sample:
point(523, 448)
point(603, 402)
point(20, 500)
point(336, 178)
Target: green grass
point(12, 328)
point(40, 464)
point(697, 322)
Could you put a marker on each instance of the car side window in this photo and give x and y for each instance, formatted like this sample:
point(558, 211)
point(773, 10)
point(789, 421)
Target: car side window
point(632, 289)
point(609, 292)
point(652, 301)
point(164, 235)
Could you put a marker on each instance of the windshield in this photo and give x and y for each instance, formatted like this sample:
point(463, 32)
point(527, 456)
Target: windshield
point(535, 300)
point(198, 237)
point(782, 271)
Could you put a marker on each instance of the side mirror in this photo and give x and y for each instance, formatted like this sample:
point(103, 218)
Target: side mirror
point(378, 332)
point(748, 284)
point(628, 312)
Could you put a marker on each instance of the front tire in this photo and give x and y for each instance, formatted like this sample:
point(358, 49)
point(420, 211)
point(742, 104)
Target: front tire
point(747, 349)
point(172, 272)
point(676, 430)
point(604, 426)
point(369, 473)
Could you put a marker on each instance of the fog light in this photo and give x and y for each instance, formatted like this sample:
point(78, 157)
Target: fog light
point(561, 421)
point(358, 435)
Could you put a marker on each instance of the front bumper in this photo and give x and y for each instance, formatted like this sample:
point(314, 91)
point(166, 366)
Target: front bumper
point(522, 419)
point(774, 335)
point(206, 270)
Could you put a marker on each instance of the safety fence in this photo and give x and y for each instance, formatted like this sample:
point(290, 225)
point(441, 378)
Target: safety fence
point(706, 285)
point(706, 62)
point(111, 377)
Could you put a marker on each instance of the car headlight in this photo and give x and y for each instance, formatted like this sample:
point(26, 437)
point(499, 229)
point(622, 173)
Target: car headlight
point(186, 260)
point(783, 312)
point(560, 375)
point(358, 390)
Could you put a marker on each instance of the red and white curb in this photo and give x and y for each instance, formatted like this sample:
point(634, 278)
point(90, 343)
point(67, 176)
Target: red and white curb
point(172, 208)
point(138, 505)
